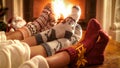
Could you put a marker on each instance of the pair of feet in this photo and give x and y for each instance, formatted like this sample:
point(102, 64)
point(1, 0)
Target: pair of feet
point(89, 51)
point(47, 19)
point(94, 42)
point(65, 29)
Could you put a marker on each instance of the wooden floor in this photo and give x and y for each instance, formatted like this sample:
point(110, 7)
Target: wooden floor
point(112, 56)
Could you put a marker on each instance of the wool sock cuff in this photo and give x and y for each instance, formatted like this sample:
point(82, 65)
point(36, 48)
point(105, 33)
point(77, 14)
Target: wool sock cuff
point(25, 32)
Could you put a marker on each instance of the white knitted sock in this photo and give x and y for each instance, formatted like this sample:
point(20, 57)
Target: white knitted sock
point(53, 46)
point(35, 62)
point(77, 34)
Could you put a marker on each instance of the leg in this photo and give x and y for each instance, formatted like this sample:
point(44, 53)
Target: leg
point(49, 48)
point(59, 60)
point(53, 46)
point(75, 56)
point(38, 50)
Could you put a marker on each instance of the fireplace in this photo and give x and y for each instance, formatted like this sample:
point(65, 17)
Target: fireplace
point(32, 9)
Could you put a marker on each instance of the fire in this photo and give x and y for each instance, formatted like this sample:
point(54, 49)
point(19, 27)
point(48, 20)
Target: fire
point(61, 8)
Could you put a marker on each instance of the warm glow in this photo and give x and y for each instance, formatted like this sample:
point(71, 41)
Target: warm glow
point(61, 8)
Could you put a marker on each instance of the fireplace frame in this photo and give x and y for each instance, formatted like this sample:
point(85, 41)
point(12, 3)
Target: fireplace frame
point(90, 11)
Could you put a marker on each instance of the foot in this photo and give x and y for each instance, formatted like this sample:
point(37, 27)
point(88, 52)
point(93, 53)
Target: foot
point(45, 21)
point(91, 35)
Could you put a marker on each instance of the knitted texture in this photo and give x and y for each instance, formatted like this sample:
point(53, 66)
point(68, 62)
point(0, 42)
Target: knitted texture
point(91, 35)
point(64, 29)
point(55, 45)
point(96, 56)
point(45, 21)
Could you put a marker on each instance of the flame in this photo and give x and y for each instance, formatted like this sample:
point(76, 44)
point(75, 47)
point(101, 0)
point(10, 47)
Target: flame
point(61, 8)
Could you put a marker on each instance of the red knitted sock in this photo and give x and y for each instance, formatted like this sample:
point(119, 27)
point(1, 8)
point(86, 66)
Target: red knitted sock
point(91, 34)
point(96, 56)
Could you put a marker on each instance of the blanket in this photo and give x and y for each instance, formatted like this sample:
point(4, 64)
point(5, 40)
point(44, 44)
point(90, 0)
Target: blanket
point(13, 53)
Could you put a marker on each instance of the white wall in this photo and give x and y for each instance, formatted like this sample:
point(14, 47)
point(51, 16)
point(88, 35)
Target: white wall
point(18, 7)
point(108, 13)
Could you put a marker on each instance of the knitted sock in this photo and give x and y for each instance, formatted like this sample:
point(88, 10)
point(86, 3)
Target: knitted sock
point(61, 30)
point(91, 35)
point(96, 56)
point(77, 34)
point(45, 21)
point(53, 46)
point(35, 62)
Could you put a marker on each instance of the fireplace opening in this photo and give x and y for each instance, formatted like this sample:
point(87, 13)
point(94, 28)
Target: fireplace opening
point(33, 9)
point(39, 4)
